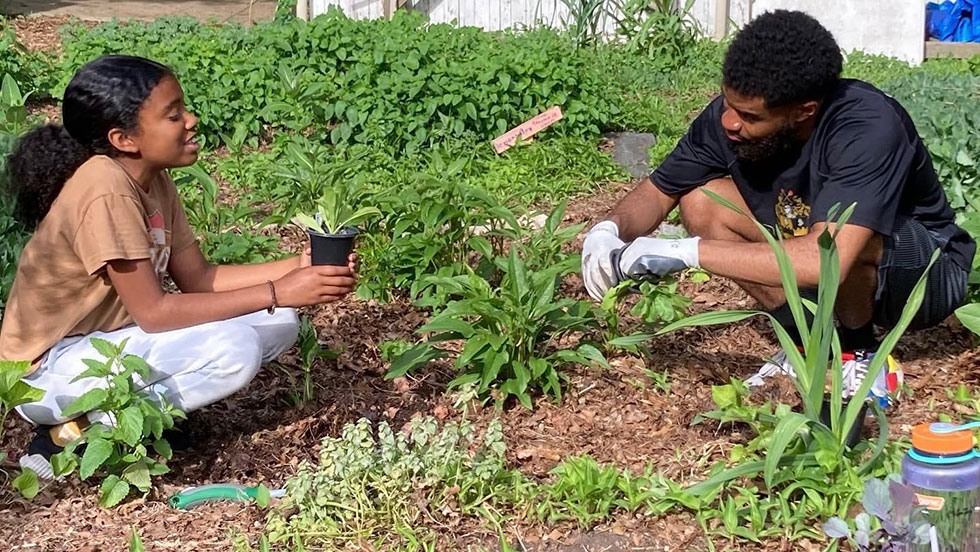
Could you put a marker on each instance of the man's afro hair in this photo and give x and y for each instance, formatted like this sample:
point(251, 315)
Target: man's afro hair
point(785, 57)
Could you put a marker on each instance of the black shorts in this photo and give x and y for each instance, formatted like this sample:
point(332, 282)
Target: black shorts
point(906, 254)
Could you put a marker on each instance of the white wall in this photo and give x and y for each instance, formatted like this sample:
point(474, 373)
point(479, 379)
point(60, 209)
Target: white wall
point(488, 14)
point(355, 9)
point(704, 14)
point(890, 27)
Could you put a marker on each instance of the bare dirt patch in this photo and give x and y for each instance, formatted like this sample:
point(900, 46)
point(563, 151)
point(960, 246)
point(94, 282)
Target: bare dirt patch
point(244, 11)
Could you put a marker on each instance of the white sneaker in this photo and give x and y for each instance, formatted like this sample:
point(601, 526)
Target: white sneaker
point(40, 465)
point(778, 364)
point(853, 371)
point(885, 386)
point(39, 453)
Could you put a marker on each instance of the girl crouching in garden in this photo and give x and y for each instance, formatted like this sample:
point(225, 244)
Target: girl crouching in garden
point(108, 225)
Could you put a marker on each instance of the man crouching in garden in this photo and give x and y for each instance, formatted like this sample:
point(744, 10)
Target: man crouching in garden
point(786, 140)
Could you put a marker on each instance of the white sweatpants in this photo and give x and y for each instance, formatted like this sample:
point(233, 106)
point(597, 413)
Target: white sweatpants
point(192, 367)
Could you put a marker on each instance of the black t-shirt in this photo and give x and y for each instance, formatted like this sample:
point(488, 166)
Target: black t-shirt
point(864, 149)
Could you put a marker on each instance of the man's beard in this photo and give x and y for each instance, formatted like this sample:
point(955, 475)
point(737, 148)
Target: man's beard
point(779, 144)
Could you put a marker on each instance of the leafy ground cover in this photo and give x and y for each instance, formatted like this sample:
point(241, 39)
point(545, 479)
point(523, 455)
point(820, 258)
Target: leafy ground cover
point(379, 452)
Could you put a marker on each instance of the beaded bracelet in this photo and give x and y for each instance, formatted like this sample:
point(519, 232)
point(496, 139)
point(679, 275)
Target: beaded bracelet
point(275, 303)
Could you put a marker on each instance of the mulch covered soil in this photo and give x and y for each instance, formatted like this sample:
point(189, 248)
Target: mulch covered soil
point(616, 415)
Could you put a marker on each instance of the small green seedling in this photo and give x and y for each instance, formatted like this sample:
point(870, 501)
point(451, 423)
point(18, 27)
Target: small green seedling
point(333, 214)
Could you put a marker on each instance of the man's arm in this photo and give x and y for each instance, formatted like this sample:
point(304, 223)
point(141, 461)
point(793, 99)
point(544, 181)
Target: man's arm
point(641, 211)
point(756, 262)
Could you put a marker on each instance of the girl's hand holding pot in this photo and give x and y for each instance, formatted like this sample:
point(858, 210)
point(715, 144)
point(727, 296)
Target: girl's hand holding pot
point(306, 259)
point(312, 285)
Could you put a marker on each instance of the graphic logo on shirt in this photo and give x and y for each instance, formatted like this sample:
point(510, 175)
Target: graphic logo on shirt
point(792, 214)
point(159, 250)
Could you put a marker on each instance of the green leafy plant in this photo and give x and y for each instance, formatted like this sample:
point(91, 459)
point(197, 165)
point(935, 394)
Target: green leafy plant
point(14, 391)
point(511, 332)
point(377, 82)
point(14, 105)
point(430, 228)
point(229, 233)
point(583, 20)
point(540, 247)
point(310, 351)
point(962, 395)
point(13, 237)
point(584, 488)
point(661, 380)
point(656, 30)
point(804, 437)
point(939, 101)
point(324, 184)
point(237, 166)
point(802, 492)
point(381, 487)
point(732, 406)
point(121, 452)
point(892, 519)
point(585, 491)
point(660, 303)
point(32, 70)
point(333, 214)
point(969, 316)
point(609, 312)
point(135, 542)
point(13, 121)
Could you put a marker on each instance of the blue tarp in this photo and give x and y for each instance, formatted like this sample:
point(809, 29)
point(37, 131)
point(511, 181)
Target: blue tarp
point(953, 21)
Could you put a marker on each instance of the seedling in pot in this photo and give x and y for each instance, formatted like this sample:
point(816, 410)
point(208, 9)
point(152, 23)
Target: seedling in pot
point(332, 228)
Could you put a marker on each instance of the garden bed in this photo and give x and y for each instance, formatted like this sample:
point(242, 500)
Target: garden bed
point(618, 416)
point(635, 415)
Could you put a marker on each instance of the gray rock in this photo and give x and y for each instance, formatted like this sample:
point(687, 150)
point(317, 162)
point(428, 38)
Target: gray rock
point(631, 151)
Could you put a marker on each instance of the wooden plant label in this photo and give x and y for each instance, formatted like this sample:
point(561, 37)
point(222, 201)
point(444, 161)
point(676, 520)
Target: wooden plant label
point(527, 129)
point(934, 503)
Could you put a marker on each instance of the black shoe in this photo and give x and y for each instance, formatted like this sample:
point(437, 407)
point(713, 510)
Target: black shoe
point(179, 437)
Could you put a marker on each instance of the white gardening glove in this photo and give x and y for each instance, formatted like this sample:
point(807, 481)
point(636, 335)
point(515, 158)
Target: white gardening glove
point(598, 271)
point(653, 258)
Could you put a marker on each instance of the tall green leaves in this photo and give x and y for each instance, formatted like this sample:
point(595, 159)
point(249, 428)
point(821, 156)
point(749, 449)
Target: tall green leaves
point(796, 433)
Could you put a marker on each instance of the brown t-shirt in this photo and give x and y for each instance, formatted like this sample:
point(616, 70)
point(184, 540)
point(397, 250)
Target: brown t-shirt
point(61, 288)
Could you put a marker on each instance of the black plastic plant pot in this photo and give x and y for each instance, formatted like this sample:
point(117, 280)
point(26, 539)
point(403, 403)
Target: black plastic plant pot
point(332, 249)
point(854, 435)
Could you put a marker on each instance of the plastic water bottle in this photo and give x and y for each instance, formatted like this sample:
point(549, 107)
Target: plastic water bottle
point(944, 469)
